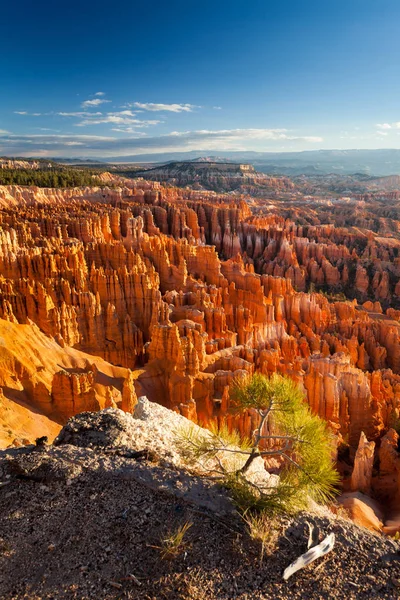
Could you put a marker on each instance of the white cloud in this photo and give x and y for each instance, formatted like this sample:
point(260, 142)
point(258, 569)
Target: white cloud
point(128, 113)
point(388, 125)
point(94, 102)
point(176, 108)
point(99, 94)
point(47, 129)
point(129, 130)
point(79, 114)
point(217, 107)
point(62, 136)
point(24, 112)
point(117, 119)
point(382, 132)
point(245, 134)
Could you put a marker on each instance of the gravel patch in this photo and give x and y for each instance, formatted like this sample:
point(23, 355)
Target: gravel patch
point(97, 535)
point(86, 519)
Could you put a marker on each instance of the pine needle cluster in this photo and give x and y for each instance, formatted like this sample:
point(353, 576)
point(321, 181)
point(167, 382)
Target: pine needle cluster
point(288, 431)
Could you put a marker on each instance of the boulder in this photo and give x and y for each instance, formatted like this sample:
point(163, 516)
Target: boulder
point(364, 511)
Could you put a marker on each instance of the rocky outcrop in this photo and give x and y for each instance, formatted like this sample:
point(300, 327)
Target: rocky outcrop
point(151, 431)
point(9, 163)
point(42, 384)
point(387, 484)
point(361, 477)
point(362, 510)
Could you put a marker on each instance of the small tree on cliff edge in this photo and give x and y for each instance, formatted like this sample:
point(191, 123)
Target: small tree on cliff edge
point(287, 431)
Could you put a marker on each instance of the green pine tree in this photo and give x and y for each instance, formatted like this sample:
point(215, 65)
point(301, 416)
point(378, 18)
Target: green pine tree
point(287, 431)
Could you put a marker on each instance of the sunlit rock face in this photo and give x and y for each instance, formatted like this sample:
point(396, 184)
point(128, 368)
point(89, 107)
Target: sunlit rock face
point(183, 290)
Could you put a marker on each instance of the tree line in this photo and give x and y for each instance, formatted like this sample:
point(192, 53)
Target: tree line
point(55, 178)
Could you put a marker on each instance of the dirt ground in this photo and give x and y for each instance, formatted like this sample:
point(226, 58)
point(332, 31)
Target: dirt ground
point(85, 529)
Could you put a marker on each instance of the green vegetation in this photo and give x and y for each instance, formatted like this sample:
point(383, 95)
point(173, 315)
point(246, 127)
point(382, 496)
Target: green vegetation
point(58, 177)
point(287, 432)
point(130, 171)
point(394, 421)
point(331, 294)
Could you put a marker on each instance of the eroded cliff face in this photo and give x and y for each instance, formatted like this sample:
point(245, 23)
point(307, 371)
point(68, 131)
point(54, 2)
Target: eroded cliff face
point(43, 384)
point(184, 290)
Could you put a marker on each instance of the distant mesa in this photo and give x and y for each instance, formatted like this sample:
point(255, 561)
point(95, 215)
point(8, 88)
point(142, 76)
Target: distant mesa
point(205, 173)
point(201, 165)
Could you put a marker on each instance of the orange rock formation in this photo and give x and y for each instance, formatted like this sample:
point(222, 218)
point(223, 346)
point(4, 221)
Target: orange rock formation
point(193, 288)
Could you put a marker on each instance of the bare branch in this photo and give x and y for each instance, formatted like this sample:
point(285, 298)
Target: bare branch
point(233, 450)
point(283, 437)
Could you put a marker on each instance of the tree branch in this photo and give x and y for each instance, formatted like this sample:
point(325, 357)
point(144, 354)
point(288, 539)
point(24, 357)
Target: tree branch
point(296, 464)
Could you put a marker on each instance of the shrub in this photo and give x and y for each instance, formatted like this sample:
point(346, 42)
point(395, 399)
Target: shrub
point(287, 431)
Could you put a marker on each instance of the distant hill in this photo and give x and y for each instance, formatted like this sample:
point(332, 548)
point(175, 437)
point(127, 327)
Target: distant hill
point(312, 162)
point(376, 163)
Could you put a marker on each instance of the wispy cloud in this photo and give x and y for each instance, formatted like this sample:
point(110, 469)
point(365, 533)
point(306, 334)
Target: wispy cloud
point(47, 129)
point(382, 132)
point(127, 113)
point(235, 139)
point(388, 125)
point(94, 102)
point(24, 112)
point(176, 108)
point(52, 141)
point(130, 130)
point(234, 135)
point(79, 114)
point(99, 94)
point(124, 117)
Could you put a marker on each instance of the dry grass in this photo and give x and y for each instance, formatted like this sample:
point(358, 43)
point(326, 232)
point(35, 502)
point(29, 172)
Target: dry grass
point(174, 544)
point(5, 547)
point(264, 529)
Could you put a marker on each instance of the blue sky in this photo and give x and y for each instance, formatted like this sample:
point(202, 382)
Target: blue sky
point(100, 79)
